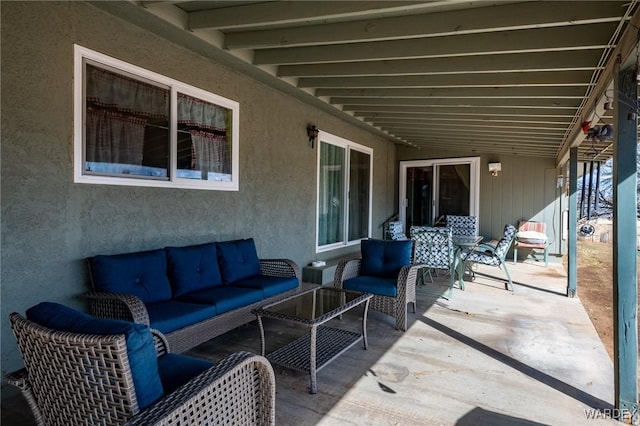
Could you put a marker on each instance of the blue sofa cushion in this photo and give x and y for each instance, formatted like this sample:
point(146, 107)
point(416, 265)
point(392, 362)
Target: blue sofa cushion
point(376, 285)
point(174, 314)
point(141, 350)
point(269, 285)
point(384, 258)
point(193, 268)
point(176, 370)
point(224, 298)
point(238, 260)
point(143, 274)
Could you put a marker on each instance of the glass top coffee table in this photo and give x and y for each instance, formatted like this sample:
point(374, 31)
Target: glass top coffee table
point(323, 344)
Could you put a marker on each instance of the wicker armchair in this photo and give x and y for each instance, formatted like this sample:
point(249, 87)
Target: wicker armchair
point(405, 285)
point(72, 379)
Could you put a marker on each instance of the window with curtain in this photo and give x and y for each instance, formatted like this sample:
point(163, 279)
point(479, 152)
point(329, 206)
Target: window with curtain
point(344, 192)
point(135, 127)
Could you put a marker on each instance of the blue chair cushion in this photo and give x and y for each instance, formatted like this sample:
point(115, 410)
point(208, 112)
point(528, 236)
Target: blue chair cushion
point(143, 274)
point(384, 258)
point(224, 298)
point(193, 268)
point(141, 350)
point(375, 285)
point(176, 370)
point(238, 260)
point(174, 314)
point(269, 285)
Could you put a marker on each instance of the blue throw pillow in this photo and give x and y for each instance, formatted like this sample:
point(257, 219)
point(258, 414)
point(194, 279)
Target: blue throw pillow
point(238, 260)
point(384, 258)
point(143, 274)
point(141, 350)
point(193, 268)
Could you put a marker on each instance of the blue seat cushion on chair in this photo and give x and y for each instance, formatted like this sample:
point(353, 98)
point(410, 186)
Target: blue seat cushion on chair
point(175, 314)
point(141, 350)
point(224, 298)
point(384, 258)
point(143, 274)
point(176, 370)
point(193, 268)
point(238, 260)
point(376, 285)
point(269, 285)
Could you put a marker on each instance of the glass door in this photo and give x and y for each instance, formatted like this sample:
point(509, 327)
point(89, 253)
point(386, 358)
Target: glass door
point(432, 189)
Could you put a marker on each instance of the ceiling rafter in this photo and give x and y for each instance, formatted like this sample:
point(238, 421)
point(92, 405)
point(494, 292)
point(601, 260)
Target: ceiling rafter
point(514, 77)
point(473, 20)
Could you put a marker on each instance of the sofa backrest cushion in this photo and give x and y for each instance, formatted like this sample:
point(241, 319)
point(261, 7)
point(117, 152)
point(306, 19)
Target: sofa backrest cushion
point(384, 258)
point(193, 268)
point(141, 350)
point(238, 260)
point(143, 274)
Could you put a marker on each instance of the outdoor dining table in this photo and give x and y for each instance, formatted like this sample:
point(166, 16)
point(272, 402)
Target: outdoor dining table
point(462, 242)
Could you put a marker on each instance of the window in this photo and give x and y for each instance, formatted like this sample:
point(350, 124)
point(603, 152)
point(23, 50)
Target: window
point(135, 127)
point(344, 192)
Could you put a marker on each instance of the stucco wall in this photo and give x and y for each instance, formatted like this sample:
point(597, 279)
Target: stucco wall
point(50, 225)
point(525, 189)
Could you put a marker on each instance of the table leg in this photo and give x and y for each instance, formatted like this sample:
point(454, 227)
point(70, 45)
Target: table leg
point(262, 342)
point(313, 388)
point(460, 268)
point(364, 323)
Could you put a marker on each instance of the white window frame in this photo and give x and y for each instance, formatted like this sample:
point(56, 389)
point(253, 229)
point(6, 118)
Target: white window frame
point(348, 147)
point(82, 53)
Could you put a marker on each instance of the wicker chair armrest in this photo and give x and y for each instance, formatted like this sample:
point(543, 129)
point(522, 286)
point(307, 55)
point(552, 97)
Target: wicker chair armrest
point(20, 379)
point(242, 384)
point(347, 268)
point(125, 307)
point(161, 342)
point(408, 276)
point(280, 268)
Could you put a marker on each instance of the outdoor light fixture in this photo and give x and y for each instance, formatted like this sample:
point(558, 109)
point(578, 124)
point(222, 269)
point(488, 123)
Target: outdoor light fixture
point(494, 168)
point(312, 133)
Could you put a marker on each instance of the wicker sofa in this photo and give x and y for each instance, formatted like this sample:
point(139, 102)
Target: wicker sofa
point(85, 370)
point(190, 294)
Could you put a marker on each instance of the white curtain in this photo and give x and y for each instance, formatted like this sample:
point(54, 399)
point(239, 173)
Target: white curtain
point(114, 138)
point(210, 152)
point(205, 115)
point(112, 90)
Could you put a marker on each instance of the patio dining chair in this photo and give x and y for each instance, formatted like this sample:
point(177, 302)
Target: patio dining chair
point(80, 369)
point(433, 249)
point(463, 225)
point(488, 254)
point(532, 235)
point(395, 231)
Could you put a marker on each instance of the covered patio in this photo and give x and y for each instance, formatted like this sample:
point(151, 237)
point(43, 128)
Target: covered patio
point(511, 83)
point(485, 357)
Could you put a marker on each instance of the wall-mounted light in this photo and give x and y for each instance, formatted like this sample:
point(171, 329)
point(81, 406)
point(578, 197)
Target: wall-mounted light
point(312, 134)
point(494, 168)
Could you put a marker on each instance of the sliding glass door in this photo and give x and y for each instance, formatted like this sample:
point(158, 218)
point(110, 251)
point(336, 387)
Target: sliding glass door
point(432, 189)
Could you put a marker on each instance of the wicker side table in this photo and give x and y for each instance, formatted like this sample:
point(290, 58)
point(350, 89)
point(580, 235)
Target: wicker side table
point(310, 353)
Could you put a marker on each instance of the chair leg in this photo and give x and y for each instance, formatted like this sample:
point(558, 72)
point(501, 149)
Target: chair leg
point(546, 256)
point(452, 276)
point(515, 255)
point(508, 286)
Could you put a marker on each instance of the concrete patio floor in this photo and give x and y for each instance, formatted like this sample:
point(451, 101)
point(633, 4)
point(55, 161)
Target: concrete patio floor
point(486, 357)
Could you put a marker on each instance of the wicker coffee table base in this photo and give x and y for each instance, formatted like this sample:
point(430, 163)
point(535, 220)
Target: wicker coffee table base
point(313, 351)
